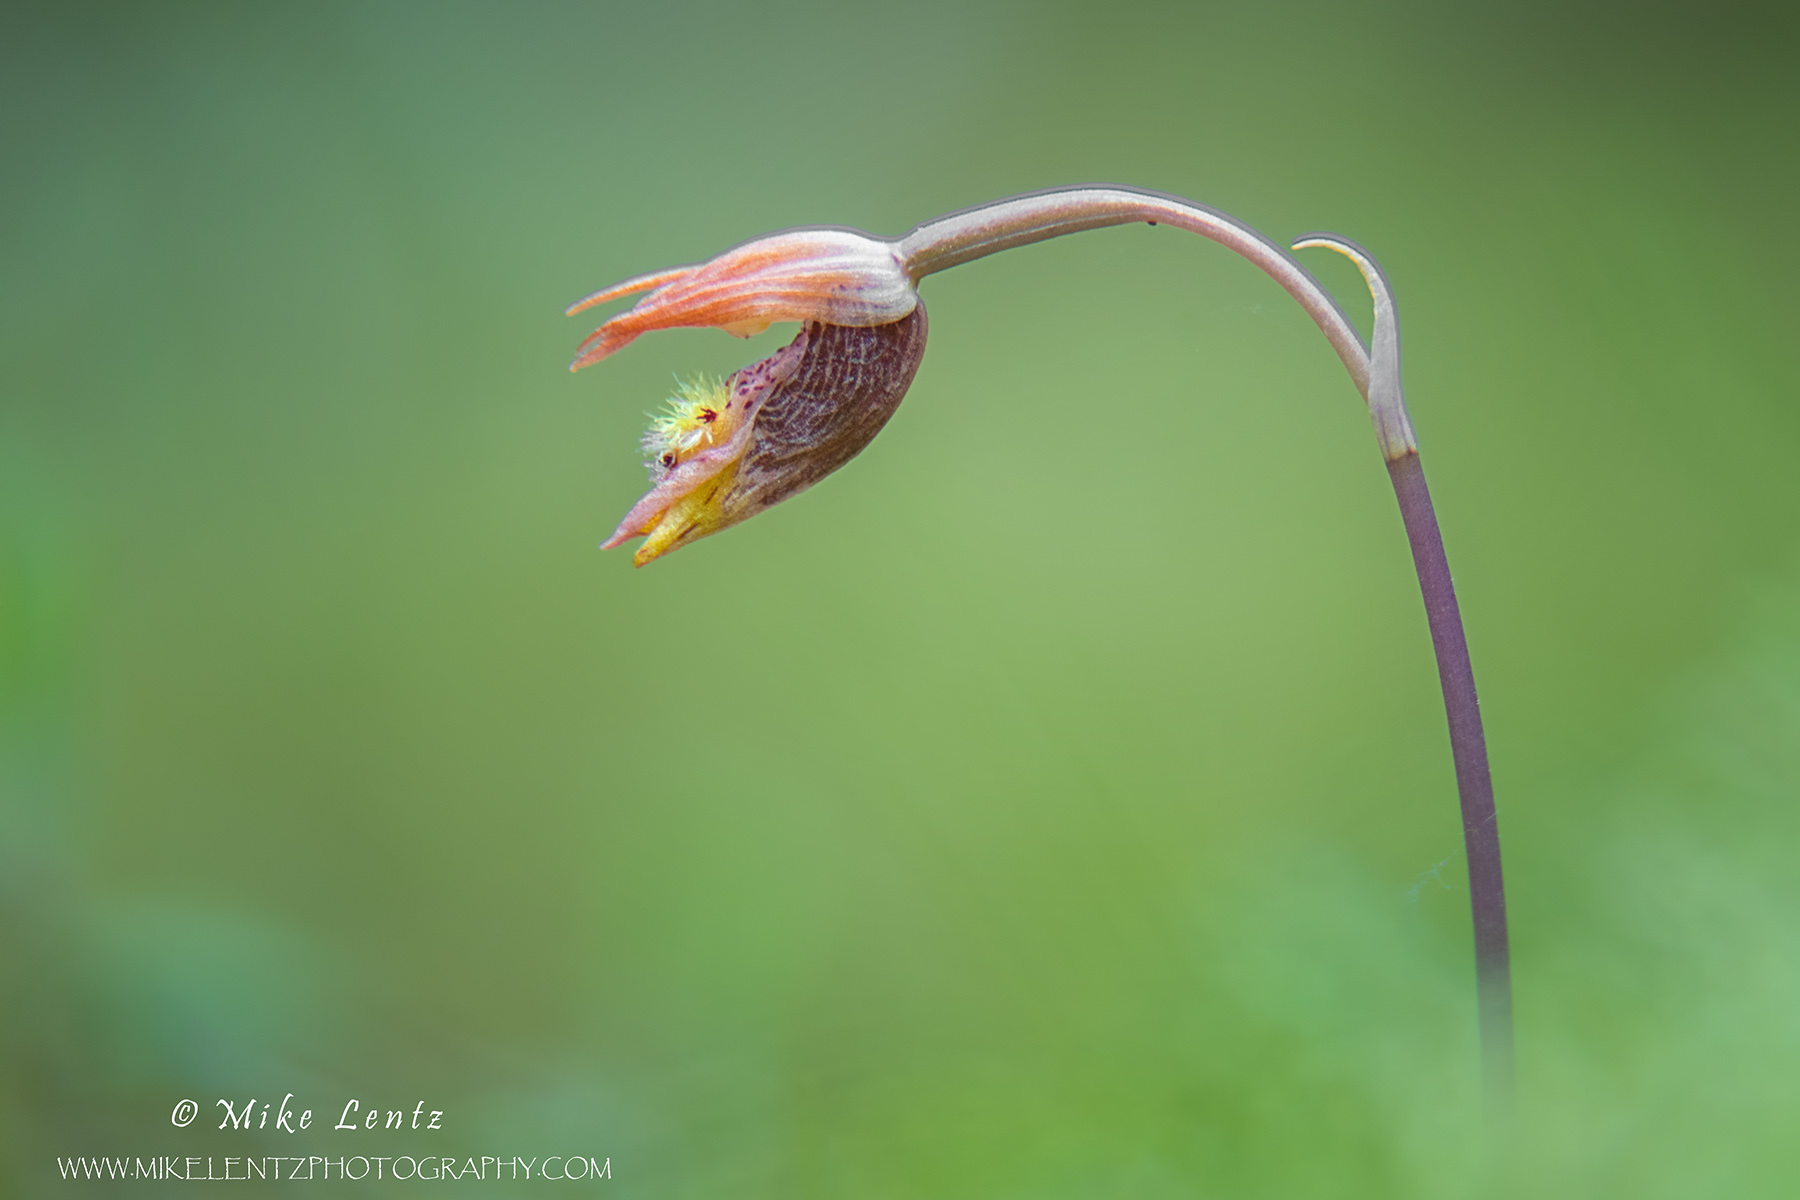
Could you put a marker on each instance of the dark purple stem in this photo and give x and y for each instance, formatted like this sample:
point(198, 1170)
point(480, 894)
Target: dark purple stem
point(1468, 747)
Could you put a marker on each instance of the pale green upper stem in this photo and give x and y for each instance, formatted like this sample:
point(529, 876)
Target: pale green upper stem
point(965, 236)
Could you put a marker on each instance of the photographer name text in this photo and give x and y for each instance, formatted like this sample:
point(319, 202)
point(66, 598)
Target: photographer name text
point(287, 1117)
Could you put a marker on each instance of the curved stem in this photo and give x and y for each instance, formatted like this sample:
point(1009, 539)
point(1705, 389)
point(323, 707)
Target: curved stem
point(1021, 220)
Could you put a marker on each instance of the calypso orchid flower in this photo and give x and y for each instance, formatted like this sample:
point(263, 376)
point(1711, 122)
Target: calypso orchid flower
point(730, 450)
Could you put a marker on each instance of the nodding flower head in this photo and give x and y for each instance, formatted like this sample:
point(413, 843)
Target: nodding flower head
point(726, 451)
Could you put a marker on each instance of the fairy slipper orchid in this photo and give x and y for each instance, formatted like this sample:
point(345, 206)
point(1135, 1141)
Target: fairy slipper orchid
point(730, 450)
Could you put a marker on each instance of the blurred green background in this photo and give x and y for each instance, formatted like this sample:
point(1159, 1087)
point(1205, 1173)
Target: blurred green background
point(1055, 802)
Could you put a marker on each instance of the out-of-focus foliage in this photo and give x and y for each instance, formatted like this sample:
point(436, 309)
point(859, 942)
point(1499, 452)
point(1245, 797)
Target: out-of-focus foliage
point(1055, 802)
